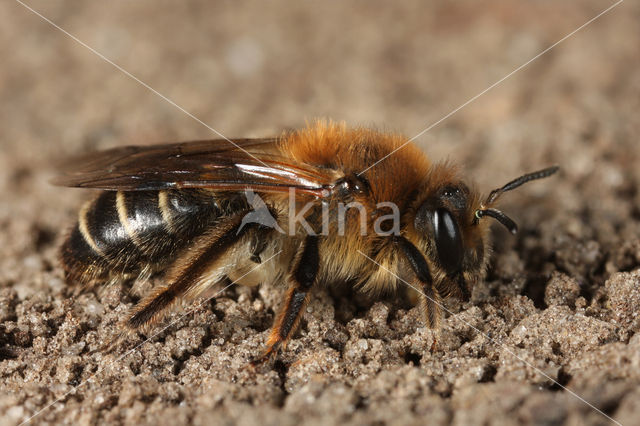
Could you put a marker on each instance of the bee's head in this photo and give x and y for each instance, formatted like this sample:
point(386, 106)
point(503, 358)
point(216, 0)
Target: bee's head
point(455, 236)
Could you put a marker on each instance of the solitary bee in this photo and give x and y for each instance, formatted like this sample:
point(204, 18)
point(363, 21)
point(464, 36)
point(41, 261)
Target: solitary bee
point(326, 204)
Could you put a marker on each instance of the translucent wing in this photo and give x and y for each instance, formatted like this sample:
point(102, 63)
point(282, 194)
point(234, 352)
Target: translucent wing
point(255, 164)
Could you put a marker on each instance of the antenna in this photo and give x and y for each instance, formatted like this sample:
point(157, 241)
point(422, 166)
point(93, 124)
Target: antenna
point(540, 174)
point(505, 220)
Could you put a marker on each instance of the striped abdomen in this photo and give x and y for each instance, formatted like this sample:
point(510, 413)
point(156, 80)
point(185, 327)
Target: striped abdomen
point(122, 233)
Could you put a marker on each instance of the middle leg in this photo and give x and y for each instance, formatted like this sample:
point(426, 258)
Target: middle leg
point(302, 278)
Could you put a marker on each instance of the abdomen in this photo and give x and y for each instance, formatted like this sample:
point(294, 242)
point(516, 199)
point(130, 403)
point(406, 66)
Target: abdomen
point(124, 233)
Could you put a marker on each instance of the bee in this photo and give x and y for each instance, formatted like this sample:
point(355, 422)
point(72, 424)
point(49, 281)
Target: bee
point(326, 204)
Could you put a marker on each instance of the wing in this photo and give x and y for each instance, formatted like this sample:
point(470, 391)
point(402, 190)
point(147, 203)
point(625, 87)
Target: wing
point(255, 164)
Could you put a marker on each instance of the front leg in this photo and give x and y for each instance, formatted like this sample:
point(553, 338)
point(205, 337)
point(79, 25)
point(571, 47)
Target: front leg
point(430, 299)
point(302, 278)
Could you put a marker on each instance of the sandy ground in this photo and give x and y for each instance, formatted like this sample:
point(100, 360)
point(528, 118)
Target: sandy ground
point(550, 337)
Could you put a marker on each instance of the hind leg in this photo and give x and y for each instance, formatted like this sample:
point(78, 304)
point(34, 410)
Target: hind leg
point(194, 272)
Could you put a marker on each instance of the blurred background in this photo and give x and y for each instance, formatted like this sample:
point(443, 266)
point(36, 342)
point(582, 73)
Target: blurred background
point(253, 69)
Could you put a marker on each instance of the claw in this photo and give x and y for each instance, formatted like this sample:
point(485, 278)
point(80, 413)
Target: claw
point(268, 356)
point(434, 345)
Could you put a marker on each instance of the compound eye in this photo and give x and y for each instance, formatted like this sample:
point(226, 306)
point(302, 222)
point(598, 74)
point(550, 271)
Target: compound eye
point(448, 241)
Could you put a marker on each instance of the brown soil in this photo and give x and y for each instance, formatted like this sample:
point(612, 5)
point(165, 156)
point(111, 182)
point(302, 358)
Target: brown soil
point(560, 306)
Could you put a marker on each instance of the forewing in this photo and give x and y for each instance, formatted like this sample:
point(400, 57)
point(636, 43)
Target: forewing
point(253, 164)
